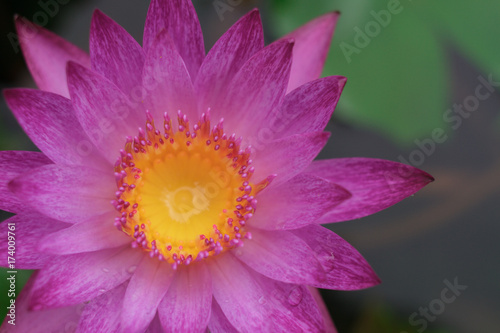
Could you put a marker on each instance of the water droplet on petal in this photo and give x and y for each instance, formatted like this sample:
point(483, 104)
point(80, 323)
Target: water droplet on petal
point(105, 270)
point(101, 291)
point(131, 269)
point(262, 300)
point(295, 296)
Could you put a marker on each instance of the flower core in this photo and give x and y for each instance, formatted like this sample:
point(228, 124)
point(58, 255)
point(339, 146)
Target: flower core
point(185, 195)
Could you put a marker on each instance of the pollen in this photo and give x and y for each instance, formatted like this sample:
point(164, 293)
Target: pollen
point(185, 194)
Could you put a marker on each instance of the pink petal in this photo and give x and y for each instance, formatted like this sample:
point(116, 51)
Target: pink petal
point(296, 203)
point(288, 156)
point(52, 320)
point(257, 89)
point(309, 107)
point(114, 53)
point(102, 314)
point(76, 278)
point(69, 194)
point(218, 321)
point(50, 122)
point(12, 164)
point(178, 17)
point(166, 81)
point(144, 293)
point(99, 233)
point(186, 306)
point(345, 268)
point(375, 184)
point(27, 230)
point(155, 326)
point(282, 256)
point(327, 319)
point(46, 55)
point(254, 303)
point(312, 42)
point(227, 56)
point(104, 111)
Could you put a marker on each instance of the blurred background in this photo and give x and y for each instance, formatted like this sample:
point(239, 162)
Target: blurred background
point(422, 89)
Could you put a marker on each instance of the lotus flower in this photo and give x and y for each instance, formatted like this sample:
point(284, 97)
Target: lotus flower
point(176, 190)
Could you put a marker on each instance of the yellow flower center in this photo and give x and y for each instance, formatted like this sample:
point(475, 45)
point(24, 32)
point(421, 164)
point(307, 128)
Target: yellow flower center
point(185, 195)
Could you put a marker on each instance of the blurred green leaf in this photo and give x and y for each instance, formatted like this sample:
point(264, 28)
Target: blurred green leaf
point(471, 26)
point(396, 70)
point(398, 80)
point(396, 86)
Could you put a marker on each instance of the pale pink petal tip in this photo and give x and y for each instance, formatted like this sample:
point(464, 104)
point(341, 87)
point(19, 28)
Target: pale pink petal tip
point(46, 55)
point(312, 42)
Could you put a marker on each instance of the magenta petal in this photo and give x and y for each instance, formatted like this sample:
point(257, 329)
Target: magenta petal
point(166, 81)
point(12, 164)
point(76, 278)
point(186, 306)
point(53, 320)
point(254, 303)
point(46, 55)
point(227, 56)
point(288, 156)
point(114, 53)
point(345, 267)
point(27, 229)
point(51, 124)
point(312, 42)
point(309, 107)
point(296, 203)
point(145, 291)
point(257, 89)
point(102, 314)
point(97, 234)
point(69, 194)
point(375, 184)
point(327, 319)
point(155, 326)
point(179, 18)
point(218, 321)
point(104, 111)
point(282, 256)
